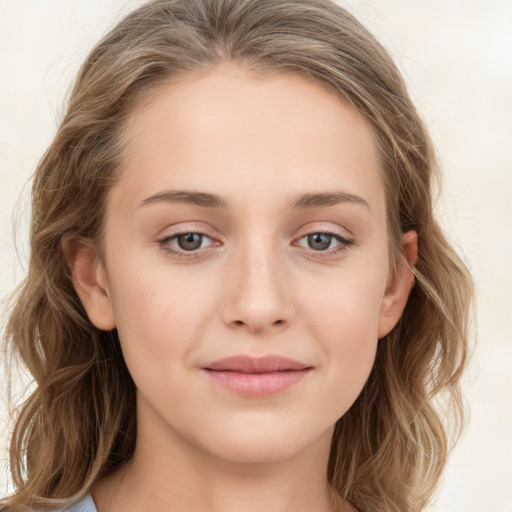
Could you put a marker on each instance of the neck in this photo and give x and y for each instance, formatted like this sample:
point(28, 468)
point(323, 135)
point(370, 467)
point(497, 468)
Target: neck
point(168, 473)
point(144, 484)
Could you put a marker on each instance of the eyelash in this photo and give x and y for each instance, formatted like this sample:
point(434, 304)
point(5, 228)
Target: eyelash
point(344, 244)
point(181, 253)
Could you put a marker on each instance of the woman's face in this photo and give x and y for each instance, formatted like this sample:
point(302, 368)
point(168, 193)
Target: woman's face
point(249, 225)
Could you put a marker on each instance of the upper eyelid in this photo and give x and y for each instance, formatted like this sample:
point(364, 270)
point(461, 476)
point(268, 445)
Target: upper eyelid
point(323, 228)
point(166, 233)
point(342, 234)
point(209, 235)
point(341, 231)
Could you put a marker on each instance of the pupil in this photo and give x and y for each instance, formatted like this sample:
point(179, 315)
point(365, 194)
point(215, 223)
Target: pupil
point(319, 241)
point(190, 241)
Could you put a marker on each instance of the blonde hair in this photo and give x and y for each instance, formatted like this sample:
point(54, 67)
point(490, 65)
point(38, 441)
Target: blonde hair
point(78, 425)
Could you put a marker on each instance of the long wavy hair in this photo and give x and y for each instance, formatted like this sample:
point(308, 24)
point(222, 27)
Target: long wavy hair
point(78, 424)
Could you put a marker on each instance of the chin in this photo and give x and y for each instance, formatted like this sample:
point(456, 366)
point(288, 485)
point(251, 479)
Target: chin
point(266, 444)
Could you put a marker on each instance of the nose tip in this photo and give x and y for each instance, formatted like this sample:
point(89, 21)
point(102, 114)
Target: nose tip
point(259, 295)
point(255, 327)
point(269, 312)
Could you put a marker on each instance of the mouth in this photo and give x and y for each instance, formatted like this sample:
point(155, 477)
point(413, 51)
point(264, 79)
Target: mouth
point(257, 376)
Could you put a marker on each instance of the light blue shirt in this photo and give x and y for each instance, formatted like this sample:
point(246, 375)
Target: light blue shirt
point(84, 505)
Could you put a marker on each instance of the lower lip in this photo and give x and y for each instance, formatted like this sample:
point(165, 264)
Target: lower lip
point(257, 384)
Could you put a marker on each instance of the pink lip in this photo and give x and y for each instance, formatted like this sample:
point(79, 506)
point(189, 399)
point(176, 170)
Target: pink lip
point(257, 377)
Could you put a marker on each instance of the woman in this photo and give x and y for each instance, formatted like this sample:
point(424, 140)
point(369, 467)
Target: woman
point(238, 295)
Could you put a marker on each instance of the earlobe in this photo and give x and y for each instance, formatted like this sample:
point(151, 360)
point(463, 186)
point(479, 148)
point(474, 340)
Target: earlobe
point(400, 286)
point(90, 281)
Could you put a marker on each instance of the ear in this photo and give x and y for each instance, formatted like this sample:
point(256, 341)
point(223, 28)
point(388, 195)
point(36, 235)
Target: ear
point(399, 286)
point(90, 281)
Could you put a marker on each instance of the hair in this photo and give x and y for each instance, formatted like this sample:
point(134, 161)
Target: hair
point(78, 424)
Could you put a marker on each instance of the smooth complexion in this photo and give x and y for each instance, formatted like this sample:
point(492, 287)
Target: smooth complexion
point(249, 220)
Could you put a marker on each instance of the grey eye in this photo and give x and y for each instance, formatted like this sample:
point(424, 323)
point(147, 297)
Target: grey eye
point(189, 241)
point(319, 241)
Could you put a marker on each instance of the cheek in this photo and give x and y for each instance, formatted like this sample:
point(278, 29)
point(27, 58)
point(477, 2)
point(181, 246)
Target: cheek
point(348, 304)
point(344, 320)
point(159, 317)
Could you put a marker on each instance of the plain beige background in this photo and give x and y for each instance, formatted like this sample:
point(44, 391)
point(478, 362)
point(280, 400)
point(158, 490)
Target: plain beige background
point(457, 58)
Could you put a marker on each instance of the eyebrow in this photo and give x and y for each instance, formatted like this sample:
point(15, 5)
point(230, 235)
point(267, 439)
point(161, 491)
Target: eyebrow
point(314, 200)
point(207, 200)
point(188, 197)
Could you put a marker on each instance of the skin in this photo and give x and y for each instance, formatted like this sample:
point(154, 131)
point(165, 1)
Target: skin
point(255, 286)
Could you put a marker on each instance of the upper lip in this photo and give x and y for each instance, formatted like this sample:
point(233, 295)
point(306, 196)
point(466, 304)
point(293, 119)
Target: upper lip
point(250, 364)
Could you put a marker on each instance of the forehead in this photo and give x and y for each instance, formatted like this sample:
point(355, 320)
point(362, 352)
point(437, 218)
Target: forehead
point(239, 134)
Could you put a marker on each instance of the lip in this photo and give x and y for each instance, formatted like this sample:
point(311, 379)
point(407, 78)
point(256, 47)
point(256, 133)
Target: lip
point(257, 376)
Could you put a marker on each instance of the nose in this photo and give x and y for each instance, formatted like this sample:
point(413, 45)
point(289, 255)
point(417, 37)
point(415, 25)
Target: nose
point(259, 292)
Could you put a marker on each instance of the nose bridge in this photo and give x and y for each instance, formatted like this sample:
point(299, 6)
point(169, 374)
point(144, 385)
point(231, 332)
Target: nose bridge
point(259, 296)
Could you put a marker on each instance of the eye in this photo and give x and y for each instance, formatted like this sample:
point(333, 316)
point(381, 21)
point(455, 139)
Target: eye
point(325, 242)
point(182, 243)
